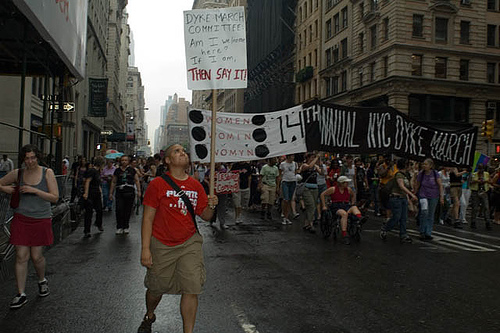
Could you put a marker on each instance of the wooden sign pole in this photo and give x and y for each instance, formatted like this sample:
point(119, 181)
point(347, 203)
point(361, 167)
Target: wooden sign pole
point(212, 141)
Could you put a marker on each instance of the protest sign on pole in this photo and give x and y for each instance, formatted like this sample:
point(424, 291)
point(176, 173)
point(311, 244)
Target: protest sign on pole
point(216, 53)
point(216, 56)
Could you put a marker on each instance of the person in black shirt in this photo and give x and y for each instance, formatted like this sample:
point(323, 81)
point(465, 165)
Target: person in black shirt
point(92, 196)
point(124, 179)
point(242, 198)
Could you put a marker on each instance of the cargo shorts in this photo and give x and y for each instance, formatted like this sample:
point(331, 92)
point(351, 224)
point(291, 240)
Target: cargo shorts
point(176, 269)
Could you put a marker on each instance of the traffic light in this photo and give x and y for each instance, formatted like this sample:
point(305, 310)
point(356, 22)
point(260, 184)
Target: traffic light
point(56, 130)
point(497, 149)
point(488, 128)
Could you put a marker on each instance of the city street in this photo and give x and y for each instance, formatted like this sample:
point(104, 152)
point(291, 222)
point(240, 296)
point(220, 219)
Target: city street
point(264, 277)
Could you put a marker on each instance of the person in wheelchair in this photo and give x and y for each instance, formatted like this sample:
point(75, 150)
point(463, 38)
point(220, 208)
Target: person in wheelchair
point(343, 201)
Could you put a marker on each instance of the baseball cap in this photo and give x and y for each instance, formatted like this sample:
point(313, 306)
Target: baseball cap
point(343, 179)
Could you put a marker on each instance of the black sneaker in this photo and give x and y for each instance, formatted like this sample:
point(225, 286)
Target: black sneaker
point(457, 225)
point(406, 240)
point(43, 288)
point(383, 235)
point(86, 235)
point(18, 301)
point(146, 324)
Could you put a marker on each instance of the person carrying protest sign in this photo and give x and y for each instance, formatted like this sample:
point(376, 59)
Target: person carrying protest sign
point(171, 243)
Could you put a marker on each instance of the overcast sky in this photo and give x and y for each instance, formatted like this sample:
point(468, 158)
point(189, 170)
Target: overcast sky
point(158, 31)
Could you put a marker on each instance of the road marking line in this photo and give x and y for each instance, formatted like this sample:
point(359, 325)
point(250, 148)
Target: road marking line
point(455, 243)
point(243, 320)
point(466, 239)
point(475, 234)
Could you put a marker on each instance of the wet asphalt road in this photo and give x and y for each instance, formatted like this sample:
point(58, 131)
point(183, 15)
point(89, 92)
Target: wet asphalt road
point(263, 277)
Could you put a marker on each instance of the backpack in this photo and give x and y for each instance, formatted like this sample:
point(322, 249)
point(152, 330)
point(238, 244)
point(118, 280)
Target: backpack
point(390, 185)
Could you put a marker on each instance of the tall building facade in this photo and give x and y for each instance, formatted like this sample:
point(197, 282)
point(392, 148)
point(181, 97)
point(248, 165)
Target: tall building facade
point(82, 132)
point(438, 61)
point(135, 112)
point(115, 119)
point(176, 124)
point(308, 48)
point(270, 55)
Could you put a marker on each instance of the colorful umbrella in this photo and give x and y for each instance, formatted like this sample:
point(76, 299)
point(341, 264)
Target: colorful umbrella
point(111, 151)
point(112, 156)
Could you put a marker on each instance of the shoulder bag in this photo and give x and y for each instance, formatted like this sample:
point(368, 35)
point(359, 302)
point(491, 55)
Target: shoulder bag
point(183, 196)
point(15, 197)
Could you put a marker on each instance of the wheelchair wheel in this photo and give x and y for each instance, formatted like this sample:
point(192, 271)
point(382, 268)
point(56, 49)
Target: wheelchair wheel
point(326, 223)
point(336, 228)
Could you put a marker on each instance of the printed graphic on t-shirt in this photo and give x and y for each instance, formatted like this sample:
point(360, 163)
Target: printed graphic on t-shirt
point(176, 201)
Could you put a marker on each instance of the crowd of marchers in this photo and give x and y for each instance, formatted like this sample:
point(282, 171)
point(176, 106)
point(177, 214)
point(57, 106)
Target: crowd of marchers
point(384, 186)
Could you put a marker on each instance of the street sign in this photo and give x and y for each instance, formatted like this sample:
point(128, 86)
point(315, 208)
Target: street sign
point(107, 132)
point(67, 107)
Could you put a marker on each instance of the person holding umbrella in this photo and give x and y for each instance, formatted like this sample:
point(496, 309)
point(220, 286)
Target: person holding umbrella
point(124, 179)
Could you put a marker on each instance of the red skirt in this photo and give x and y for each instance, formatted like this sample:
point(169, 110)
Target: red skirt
point(29, 231)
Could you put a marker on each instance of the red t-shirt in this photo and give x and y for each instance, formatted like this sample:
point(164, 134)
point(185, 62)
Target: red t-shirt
point(173, 224)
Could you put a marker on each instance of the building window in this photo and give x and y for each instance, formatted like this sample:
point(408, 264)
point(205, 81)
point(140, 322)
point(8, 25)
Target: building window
point(310, 33)
point(329, 28)
point(344, 80)
point(386, 66)
point(490, 72)
point(344, 18)
point(416, 65)
point(441, 30)
point(440, 68)
point(335, 54)
point(335, 85)
point(329, 4)
point(361, 42)
point(300, 65)
point(305, 10)
point(373, 5)
point(328, 87)
point(328, 55)
point(305, 37)
point(451, 109)
point(464, 70)
point(372, 72)
point(373, 33)
point(464, 32)
point(492, 4)
point(360, 76)
point(315, 58)
point(491, 35)
point(316, 29)
point(361, 10)
point(309, 57)
point(336, 24)
point(418, 25)
point(386, 28)
point(300, 41)
point(300, 14)
point(343, 44)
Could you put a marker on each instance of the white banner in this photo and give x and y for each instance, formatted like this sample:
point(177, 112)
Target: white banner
point(63, 24)
point(245, 136)
point(216, 53)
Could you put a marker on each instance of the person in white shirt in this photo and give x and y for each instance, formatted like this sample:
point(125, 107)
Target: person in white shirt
point(288, 170)
point(6, 165)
